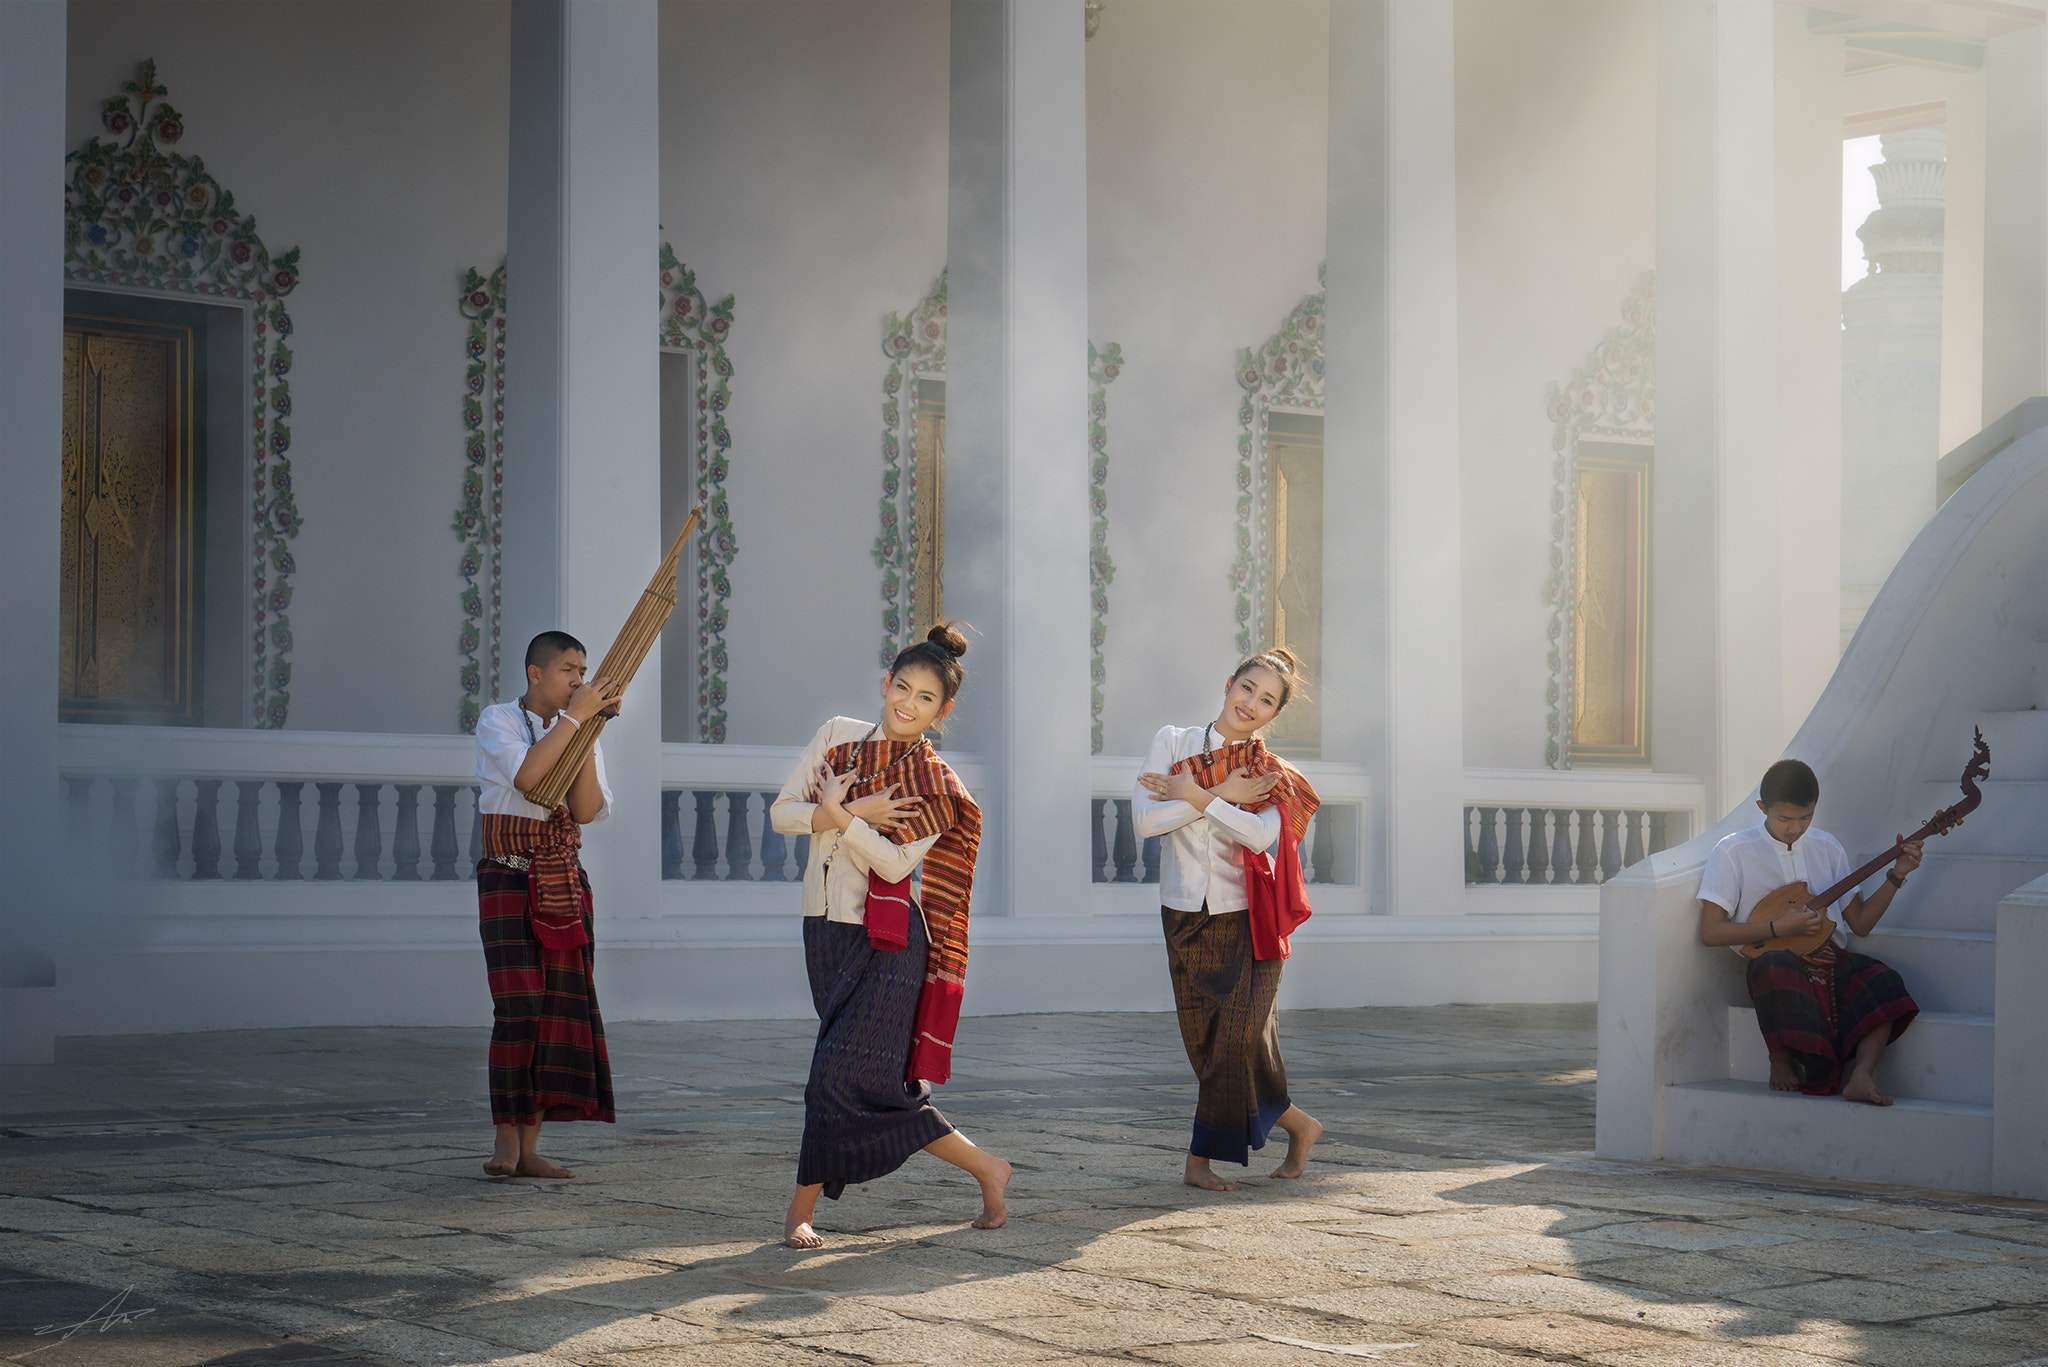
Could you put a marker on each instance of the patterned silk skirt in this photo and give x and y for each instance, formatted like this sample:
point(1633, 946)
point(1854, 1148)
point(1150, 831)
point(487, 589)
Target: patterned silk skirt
point(1232, 1033)
point(861, 1118)
point(1817, 1008)
point(547, 1059)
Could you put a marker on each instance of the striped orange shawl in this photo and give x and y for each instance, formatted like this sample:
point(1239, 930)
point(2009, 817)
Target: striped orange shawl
point(1272, 883)
point(944, 810)
point(1295, 794)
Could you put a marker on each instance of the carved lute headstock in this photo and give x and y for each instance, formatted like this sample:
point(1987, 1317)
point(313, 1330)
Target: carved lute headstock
point(1941, 823)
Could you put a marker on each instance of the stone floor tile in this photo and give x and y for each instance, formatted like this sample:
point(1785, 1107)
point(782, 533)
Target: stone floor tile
point(1388, 1305)
point(1884, 1345)
point(1553, 1335)
point(1872, 1302)
point(1376, 1261)
point(1689, 1236)
point(1689, 1275)
point(949, 1344)
point(1708, 1355)
point(1848, 1257)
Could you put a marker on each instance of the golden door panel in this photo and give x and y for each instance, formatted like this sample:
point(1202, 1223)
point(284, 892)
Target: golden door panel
point(1294, 571)
point(125, 580)
point(928, 573)
point(1610, 636)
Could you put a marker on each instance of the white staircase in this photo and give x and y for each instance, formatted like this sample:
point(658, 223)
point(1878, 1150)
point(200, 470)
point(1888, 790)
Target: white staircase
point(1958, 638)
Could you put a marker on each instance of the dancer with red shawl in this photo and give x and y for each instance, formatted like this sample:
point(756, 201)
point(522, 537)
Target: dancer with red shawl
point(887, 961)
point(547, 1059)
point(1220, 800)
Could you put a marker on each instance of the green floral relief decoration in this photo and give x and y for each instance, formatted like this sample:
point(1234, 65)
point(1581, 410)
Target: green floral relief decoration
point(916, 348)
point(479, 521)
point(1614, 395)
point(690, 327)
point(1286, 372)
point(139, 215)
point(1104, 366)
point(696, 330)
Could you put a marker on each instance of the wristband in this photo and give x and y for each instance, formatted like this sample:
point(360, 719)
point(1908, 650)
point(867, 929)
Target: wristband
point(571, 720)
point(1894, 879)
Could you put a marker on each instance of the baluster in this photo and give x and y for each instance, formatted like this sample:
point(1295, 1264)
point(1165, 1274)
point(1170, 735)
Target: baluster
point(1589, 846)
point(1327, 829)
point(1610, 844)
point(739, 842)
point(1152, 859)
point(803, 853)
point(248, 829)
point(476, 828)
point(77, 826)
point(206, 829)
point(1098, 847)
point(1489, 847)
point(290, 846)
point(705, 850)
point(167, 842)
point(1633, 854)
point(1539, 847)
point(327, 833)
point(1517, 862)
point(1124, 847)
point(121, 831)
point(1472, 874)
point(443, 848)
point(1657, 832)
point(774, 844)
point(369, 830)
point(405, 841)
point(671, 835)
point(1560, 845)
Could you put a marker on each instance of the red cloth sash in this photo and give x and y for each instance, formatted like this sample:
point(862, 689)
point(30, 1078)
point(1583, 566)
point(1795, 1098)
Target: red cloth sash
point(1274, 891)
point(554, 892)
point(943, 809)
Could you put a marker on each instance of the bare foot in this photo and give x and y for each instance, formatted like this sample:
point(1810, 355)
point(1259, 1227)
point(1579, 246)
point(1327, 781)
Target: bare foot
point(1199, 1174)
point(533, 1165)
point(1861, 1087)
point(994, 1215)
point(1784, 1077)
point(799, 1234)
point(1300, 1140)
point(502, 1167)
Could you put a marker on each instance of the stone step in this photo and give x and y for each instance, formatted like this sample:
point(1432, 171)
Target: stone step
point(1745, 1124)
point(2018, 741)
point(2012, 822)
point(1945, 970)
point(1955, 892)
point(1944, 1057)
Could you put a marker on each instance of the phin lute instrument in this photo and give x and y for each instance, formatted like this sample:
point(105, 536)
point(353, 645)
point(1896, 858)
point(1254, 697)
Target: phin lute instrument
point(1794, 895)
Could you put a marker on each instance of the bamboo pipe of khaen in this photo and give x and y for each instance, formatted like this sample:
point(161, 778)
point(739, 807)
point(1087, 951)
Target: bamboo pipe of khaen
point(635, 639)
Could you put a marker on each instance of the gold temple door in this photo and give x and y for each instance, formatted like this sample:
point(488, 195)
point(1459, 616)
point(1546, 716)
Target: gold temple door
point(1294, 571)
point(127, 552)
point(1610, 619)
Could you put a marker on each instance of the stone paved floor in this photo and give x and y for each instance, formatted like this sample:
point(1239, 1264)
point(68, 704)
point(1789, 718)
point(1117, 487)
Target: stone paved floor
point(315, 1196)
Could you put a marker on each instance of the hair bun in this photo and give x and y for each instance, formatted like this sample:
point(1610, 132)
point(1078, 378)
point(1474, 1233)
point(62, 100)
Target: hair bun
point(947, 637)
point(1286, 657)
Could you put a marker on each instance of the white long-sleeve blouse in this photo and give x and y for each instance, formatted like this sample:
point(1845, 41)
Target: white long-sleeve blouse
point(1198, 860)
point(836, 875)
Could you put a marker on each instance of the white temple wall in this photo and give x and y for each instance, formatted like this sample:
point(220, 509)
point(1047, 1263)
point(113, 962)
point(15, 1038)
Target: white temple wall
point(1556, 224)
point(1207, 168)
point(374, 138)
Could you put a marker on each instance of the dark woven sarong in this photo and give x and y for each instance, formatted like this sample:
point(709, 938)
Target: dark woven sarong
point(1818, 1008)
point(861, 1119)
point(547, 1059)
point(1225, 1000)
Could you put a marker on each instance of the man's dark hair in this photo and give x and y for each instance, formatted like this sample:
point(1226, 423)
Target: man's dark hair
point(542, 649)
point(1791, 782)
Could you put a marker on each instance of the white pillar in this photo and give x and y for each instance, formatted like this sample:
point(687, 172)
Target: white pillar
point(2015, 220)
point(31, 395)
point(1717, 651)
point(1393, 688)
point(582, 393)
point(1016, 439)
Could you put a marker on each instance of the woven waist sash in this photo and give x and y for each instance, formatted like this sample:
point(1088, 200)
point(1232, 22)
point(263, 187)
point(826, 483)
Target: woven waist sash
point(555, 892)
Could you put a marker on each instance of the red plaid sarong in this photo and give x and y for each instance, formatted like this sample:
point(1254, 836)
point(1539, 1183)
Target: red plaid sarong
point(1818, 1007)
point(547, 1057)
point(551, 846)
point(1275, 916)
point(945, 810)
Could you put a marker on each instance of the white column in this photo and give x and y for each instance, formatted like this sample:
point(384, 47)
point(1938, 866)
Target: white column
point(31, 395)
point(1016, 439)
point(1717, 651)
point(2015, 220)
point(1393, 689)
point(582, 401)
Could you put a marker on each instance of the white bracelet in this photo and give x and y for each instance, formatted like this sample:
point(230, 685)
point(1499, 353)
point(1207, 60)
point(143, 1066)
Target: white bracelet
point(572, 721)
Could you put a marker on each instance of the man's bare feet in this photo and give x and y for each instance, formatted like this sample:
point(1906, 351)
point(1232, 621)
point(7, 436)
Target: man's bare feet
point(1198, 1173)
point(796, 1225)
point(994, 1215)
point(1301, 1137)
point(533, 1165)
point(1862, 1087)
point(800, 1235)
point(1784, 1077)
point(499, 1166)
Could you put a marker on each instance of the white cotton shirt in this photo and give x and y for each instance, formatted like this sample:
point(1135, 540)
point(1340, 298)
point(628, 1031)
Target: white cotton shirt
point(502, 740)
point(1750, 865)
point(836, 875)
point(1198, 860)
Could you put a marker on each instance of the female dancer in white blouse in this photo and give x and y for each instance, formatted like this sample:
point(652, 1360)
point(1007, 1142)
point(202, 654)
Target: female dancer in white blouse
point(1210, 792)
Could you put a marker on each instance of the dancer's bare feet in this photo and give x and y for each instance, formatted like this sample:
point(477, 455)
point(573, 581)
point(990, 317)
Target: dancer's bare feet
point(796, 1226)
point(1863, 1087)
point(994, 1214)
point(1784, 1077)
point(1199, 1174)
point(1303, 1130)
